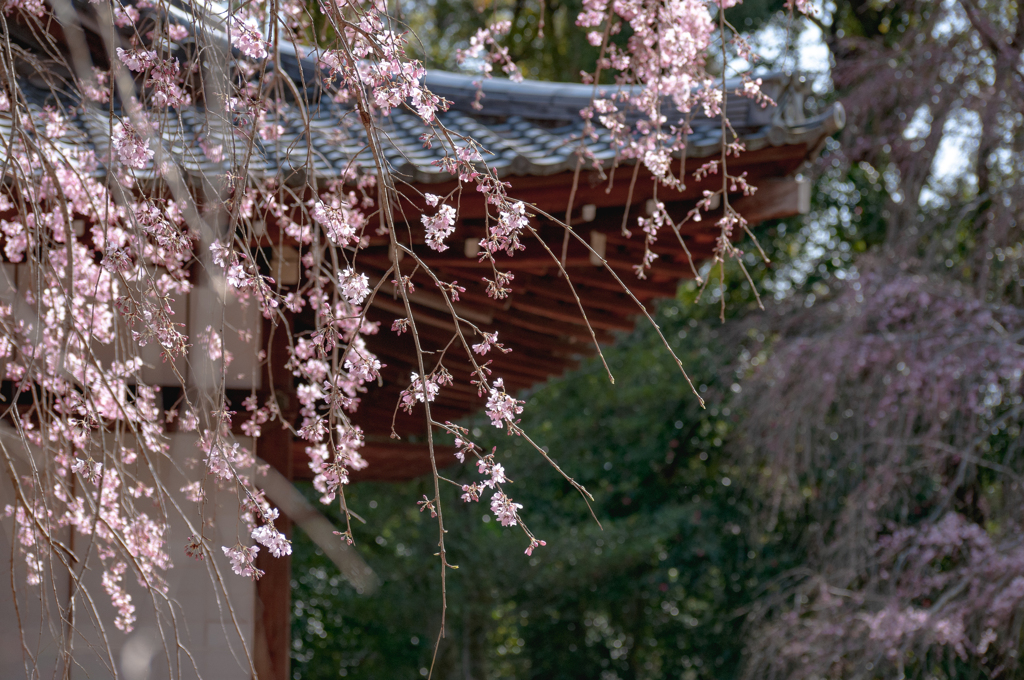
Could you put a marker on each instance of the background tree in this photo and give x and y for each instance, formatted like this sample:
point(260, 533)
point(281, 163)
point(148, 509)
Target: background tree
point(890, 417)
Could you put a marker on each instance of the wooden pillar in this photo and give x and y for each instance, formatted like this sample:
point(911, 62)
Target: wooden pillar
point(274, 589)
point(273, 633)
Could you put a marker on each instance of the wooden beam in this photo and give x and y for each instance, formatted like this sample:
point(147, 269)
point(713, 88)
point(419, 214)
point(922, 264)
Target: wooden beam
point(775, 199)
point(273, 634)
point(273, 640)
point(402, 347)
point(570, 312)
point(598, 277)
point(393, 461)
point(550, 193)
point(591, 298)
point(552, 327)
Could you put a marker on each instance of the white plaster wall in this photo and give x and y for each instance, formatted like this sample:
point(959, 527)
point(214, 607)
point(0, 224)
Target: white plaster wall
point(194, 629)
point(215, 304)
point(195, 619)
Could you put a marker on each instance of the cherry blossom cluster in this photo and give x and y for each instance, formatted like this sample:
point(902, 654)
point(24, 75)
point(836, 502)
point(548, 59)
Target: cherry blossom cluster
point(421, 390)
point(439, 226)
point(331, 468)
point(665, 59)
point(484, 52)
point(243, 560)
point(377, 61)
point(111, 242)
point(502, 408)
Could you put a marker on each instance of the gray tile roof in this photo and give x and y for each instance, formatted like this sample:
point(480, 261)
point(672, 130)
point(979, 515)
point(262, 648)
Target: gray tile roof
point(527, 128)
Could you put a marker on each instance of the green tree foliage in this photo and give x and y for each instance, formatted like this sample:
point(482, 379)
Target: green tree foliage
point(544, 39)
point(559, 54)
point(646, 594)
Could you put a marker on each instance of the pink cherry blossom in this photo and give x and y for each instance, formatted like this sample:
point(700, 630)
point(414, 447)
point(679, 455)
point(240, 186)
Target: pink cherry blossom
point(355, 287)
point(243, 560)
point(274, 540)
point(502, 408)
point(136, 59)
point(132, 149)
point(341, 222)
point(504, 509)
point(247, 38)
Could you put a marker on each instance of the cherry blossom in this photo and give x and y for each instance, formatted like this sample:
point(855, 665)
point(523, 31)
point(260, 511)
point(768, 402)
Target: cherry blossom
point(340, 222)
point(89, 469)
point(177, 32)
point(504, 509)
point(490, 340)
point(420, 390)
point(122, 601)
point(439, 227)
point(137, 60)
point(354, 286)
point(273, 539)
point(502, 408)
point(246, 37)
point(243, 560)
point(132, 149)
point(534, 544)
point(505, 235)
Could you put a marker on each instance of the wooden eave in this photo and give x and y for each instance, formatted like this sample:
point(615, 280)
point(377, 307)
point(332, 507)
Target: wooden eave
point(540, 320)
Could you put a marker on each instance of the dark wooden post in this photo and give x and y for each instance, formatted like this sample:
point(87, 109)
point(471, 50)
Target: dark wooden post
point(273, 634)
